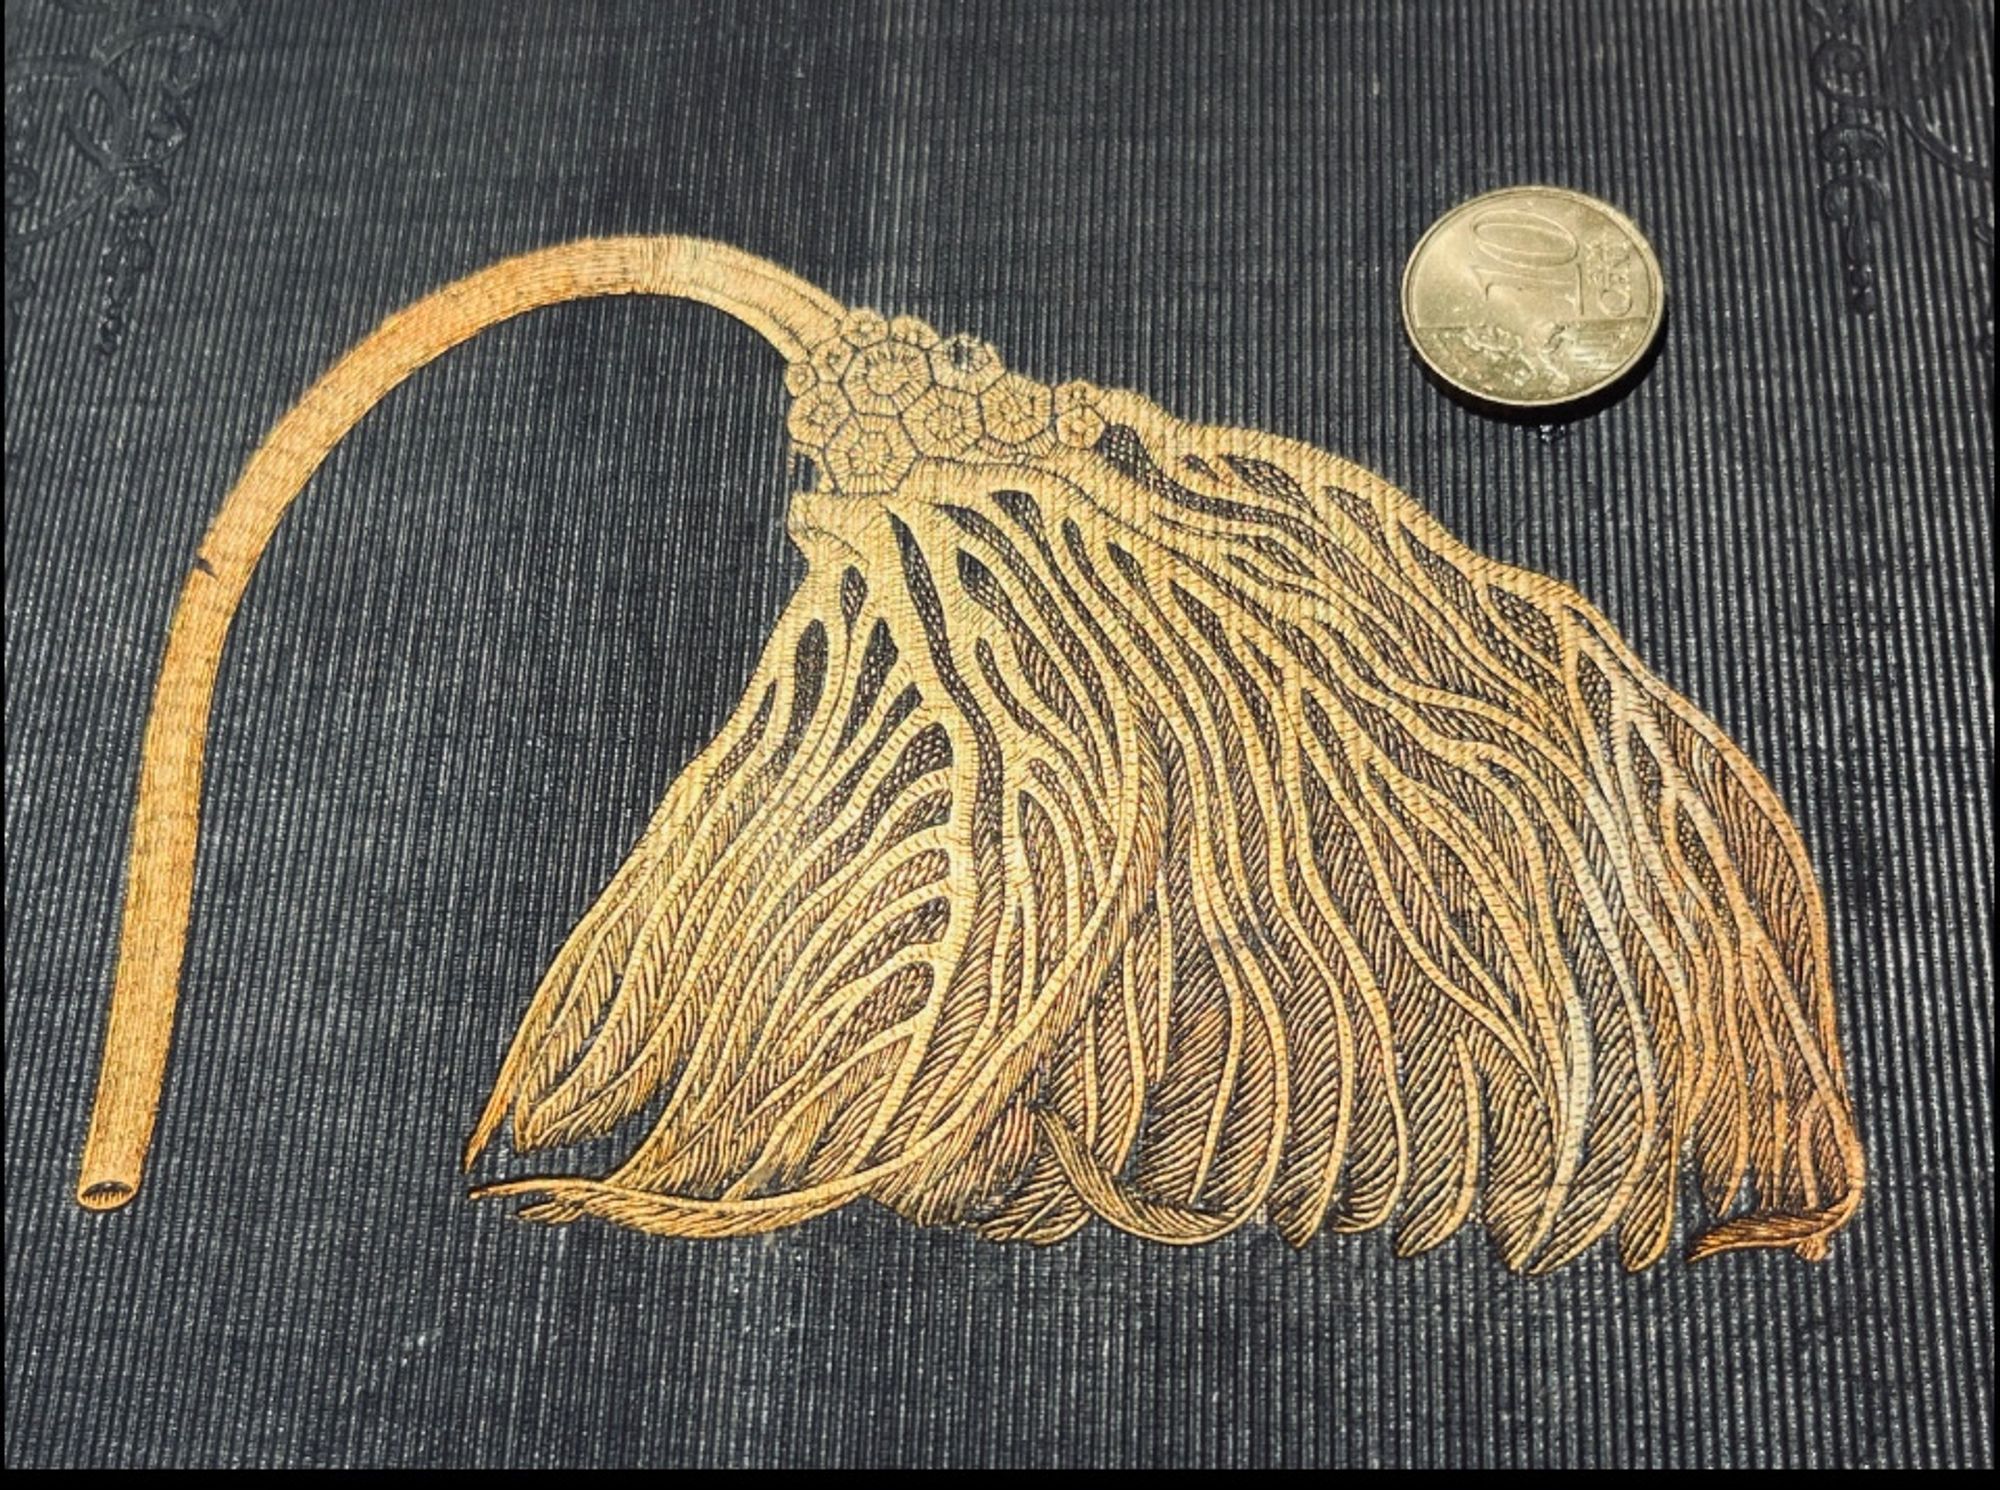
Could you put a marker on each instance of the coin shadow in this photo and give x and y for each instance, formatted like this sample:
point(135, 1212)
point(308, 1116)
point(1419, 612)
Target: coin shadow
point(1557, 415)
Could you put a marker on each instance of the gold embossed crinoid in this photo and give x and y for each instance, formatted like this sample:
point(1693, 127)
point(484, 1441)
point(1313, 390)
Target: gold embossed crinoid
point(1128, 819)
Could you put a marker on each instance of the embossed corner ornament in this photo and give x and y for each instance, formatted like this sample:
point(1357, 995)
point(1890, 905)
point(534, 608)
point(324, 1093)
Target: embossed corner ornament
point(1127, 819)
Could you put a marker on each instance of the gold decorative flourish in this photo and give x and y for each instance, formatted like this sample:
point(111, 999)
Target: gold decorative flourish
point(1127, 819)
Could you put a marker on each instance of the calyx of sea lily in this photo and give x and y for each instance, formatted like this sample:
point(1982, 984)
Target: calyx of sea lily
point(879, 396)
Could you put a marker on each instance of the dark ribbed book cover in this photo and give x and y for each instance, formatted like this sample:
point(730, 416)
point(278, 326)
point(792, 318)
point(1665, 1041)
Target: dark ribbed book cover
point(532, 583)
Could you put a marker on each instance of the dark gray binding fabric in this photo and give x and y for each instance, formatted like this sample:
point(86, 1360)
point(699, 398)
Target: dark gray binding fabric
point(531, 584)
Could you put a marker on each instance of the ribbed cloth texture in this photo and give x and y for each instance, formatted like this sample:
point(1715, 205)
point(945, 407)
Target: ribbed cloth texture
point(531, 584)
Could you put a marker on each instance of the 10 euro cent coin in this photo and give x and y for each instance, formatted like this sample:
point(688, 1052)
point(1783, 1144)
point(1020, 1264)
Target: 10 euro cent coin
point(1532, 296)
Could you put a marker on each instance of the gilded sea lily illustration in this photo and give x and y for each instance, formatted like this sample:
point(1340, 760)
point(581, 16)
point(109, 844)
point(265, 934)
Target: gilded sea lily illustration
point(1128, 819)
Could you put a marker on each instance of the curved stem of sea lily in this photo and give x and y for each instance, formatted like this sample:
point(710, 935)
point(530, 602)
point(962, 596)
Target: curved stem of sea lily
point(790, 314)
